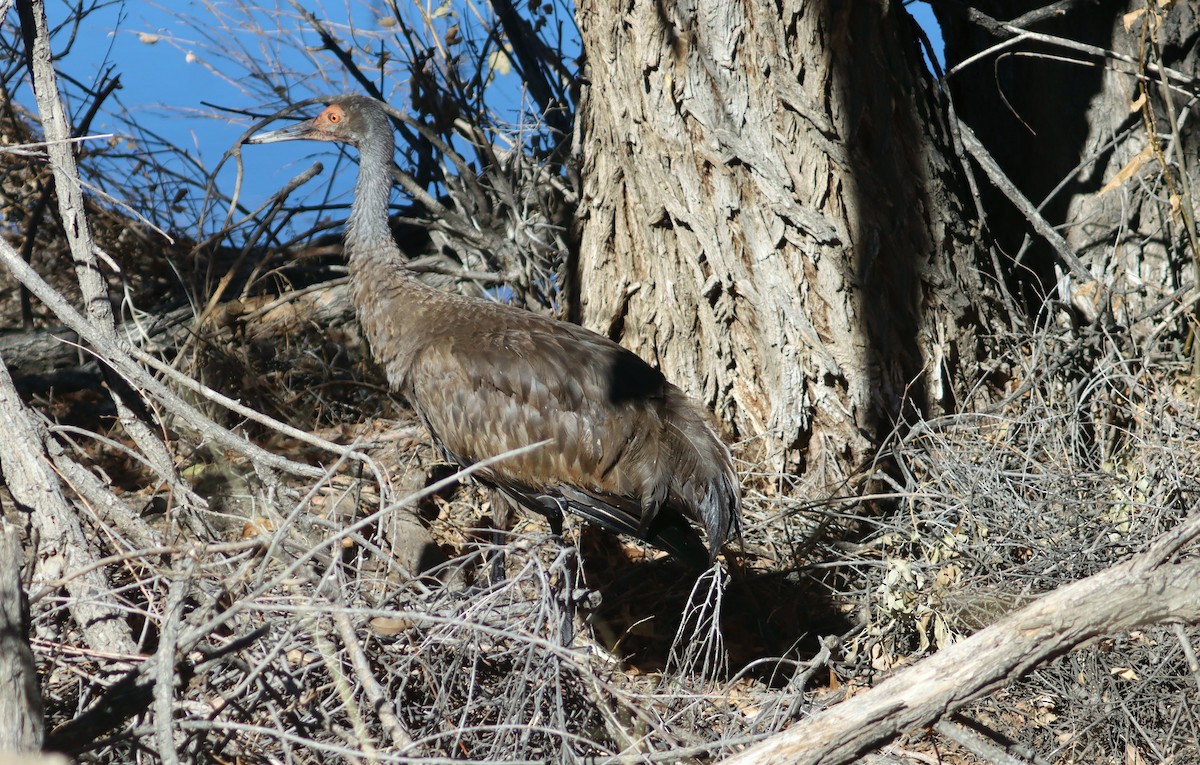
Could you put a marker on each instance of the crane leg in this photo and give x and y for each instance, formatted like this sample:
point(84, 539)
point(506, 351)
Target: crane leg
point(569, 577)
point(502, 511)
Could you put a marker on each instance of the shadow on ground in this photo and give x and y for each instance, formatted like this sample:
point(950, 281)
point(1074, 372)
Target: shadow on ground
point(768, 620)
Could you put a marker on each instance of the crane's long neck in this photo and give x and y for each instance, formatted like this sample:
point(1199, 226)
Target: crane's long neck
point(368, 235)
point(392, 304)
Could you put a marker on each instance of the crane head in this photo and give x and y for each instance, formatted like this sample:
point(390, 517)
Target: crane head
point(337, 122)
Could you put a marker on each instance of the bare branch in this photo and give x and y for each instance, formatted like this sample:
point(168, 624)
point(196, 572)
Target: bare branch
point(21, 723)
point(1001, 181)
point(1148, 589)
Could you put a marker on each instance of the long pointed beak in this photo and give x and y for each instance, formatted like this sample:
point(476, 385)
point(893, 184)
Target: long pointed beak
point(297, 132)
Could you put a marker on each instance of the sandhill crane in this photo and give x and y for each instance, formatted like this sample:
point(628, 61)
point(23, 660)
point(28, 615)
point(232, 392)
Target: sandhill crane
point(628, 450)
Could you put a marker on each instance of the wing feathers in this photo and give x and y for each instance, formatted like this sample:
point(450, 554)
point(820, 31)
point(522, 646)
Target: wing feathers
point(630, 451)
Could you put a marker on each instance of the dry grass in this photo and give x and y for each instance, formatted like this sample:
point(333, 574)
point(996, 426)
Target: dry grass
point(303, 634)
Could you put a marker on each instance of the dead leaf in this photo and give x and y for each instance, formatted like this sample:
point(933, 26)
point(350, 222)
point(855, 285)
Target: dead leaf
point(834, 681)
point(1131, 17)
point(498, 61)
point(1131, 168)
point(388, 626)
point(257, 526)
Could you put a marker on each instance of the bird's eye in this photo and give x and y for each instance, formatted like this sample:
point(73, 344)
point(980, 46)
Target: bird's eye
point(335, 117)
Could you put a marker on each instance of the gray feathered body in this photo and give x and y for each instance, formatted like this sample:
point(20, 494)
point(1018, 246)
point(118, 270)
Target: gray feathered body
point(628, 449)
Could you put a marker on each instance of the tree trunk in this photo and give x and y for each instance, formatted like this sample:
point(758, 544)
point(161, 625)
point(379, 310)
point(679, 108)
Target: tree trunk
point(769, 215)
point(21, 726)
point(1076, 113)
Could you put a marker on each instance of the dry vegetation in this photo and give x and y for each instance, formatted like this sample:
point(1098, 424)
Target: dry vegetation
point(337, 605)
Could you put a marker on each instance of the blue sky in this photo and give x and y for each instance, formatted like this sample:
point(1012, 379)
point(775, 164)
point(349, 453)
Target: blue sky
point(179, 62)
point(173, 58)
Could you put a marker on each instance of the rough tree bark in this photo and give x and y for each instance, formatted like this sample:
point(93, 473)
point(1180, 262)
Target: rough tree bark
point(770, 214)
point(1089, 111)
point(21, 725)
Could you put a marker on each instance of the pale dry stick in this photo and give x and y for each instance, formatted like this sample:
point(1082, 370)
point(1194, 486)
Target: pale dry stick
point(341, 685)
point(151, 552)
point(71, 207)
point(1005, 186)
point(109, 512)
point(35, 487)
point(221, 619)
point(164, 665)
point(706, 656)
point(1022, 35)
point(1189, 653)
point(22, 727)
point(37, 149)
point(1183, 79)
point(120, 355)
point(197, 633)
point(966, 62)
point(1149, 588)
point(256, 733)
point(118, 448)
point(384, 709)
point(981, 746)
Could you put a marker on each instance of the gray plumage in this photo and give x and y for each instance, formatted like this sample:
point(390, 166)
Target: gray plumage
point(629, 450)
